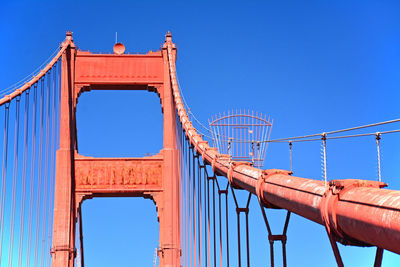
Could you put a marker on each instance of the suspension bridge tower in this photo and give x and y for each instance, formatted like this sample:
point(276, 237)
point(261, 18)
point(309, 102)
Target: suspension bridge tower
point(79, 177)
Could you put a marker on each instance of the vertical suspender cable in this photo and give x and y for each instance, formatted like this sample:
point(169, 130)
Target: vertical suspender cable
point(24, 170)
point(40, 176)
point(323, 137)
point(194, 209)
point(238, 229)
point(188, 221)
point(199, 213)
point(183, 158)
point(54, 138)
point(14, 185)
point(46, 169)
point(32, 178)
point(52, 151)
point(181, 199)
point(220, 223)
point(214, 232)
point(247, 230)
point(184, 194)
point(290, 156)
point(378, 154)
point(227, 224)
point(4, 175)
point(190, 205)
point(205, 215)
point(208, 216)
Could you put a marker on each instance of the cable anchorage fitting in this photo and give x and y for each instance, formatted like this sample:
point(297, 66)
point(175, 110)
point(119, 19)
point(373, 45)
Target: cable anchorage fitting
point(265, 174)
point(329, 202)
point(217, 157)
point(232, 166)
point(206, 148)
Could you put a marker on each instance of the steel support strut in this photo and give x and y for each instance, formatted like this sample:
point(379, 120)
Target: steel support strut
point(272, 238)
point(245, 210)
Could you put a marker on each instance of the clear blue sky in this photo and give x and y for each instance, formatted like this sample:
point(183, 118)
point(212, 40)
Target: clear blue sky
point(313, 66)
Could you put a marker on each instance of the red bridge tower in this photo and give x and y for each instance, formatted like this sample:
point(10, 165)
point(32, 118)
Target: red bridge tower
point(79, 177)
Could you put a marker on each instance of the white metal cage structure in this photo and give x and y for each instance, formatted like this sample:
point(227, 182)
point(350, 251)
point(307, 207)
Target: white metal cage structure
point(243, 135)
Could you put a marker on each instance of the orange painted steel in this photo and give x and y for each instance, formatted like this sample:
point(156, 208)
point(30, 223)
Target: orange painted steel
point(354, 212)
point(357, 212)
point(79, 177)
point(116, 176)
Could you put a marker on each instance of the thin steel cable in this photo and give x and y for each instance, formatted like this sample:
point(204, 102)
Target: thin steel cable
point(378, 154)
point(247, 230)
point(341, 137)
point(194, 209)
point(55, 138)
point(190, 204)
point(324, 158)
point(238, 228)
point(29, 76)
point(205, 216)
point(40, 176)
point(293, 139)
point(46, 168)
point(208, 216)
point(214, 228)
point(220, 224)
point(185, 192)
point(182, 194)
point(32, 178)
point(199, 213)
point(247, 239)
point(24, 171)
point(14, 185)
point(306, 138)
point(52, 158)
point(181, 198)
point(4, 176)
point(290, 156)
point(207, 179)
point(338, 131)
point(227, 224)
point(187, 106)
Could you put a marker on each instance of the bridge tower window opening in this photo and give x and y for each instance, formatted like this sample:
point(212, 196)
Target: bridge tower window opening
point(136, 115)
point(103, 241)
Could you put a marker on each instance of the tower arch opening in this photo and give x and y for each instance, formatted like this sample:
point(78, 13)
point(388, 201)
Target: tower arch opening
point(121, 123)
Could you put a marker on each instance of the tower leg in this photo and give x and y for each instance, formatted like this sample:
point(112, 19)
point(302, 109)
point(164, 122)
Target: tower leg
point(169, 216)
point(63, 250)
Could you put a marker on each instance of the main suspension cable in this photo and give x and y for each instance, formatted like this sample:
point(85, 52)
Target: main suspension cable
point(29, 76)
